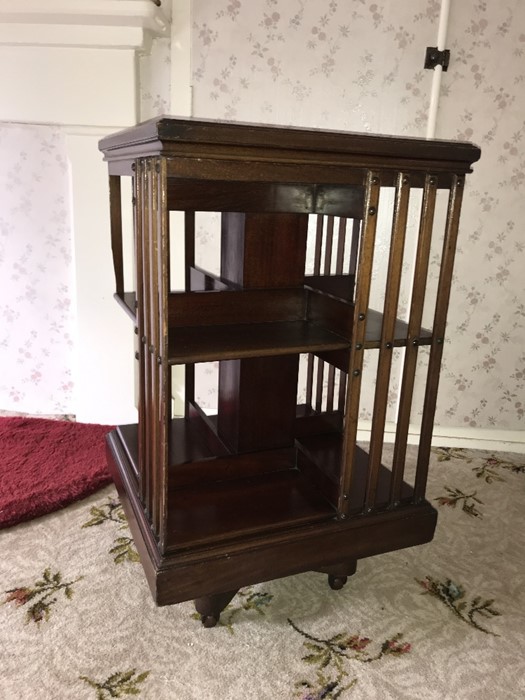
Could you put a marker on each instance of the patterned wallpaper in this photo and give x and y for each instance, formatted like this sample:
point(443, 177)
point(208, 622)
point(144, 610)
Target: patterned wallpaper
point(483, 100)
point(354, 65)
point(358, 65)
point(334, 64)
point(36, 272)
point(154, 71)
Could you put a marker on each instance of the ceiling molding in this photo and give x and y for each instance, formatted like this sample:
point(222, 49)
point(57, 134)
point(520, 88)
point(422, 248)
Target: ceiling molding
point(91, 23)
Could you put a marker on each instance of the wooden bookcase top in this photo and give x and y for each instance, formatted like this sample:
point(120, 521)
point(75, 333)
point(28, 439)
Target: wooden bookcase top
point(174, 137)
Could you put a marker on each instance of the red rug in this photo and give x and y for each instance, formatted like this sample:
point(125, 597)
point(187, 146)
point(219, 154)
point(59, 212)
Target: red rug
point(47, 464)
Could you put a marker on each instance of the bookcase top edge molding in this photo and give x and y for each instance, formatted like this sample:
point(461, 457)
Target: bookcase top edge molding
point(210, 139)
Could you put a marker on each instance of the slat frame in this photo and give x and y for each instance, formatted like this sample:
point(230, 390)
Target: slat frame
point(419, 282)
point(115, 214)
point(164, 369)
point(393, 284)
point(362, 296)
point(138, 214)
point(436, 350)
point(154, 337)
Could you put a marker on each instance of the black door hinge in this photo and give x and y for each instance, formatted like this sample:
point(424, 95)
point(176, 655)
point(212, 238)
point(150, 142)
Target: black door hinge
point(434, 57)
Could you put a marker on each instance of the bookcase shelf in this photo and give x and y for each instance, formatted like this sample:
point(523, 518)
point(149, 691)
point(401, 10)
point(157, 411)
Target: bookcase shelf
point(274, 483)
point(255, 340)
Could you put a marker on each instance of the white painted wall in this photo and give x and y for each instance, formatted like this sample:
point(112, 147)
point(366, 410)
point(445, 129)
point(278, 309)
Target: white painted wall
point(75, 65)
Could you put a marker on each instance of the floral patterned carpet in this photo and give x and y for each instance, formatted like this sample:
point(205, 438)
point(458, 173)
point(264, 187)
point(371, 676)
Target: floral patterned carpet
point(444, 620)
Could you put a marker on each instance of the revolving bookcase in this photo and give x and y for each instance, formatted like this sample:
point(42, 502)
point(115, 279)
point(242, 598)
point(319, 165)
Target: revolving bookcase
point(272, 482)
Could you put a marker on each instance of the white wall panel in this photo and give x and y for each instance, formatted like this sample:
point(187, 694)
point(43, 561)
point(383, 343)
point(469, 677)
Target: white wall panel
point(68, 86)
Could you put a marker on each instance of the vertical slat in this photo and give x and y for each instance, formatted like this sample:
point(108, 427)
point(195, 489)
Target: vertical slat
point(164, 376)
point(328, 245)
point(330, 388)
point(366, 255)
point(138, 211)
point(189, 262)
point(342, 392)
point(319, 386)
point(354, 246)
point(393, 283)
point(438, 333)
point(318, 244)
point(146, 355)
point(339, 262)
point(153, 340)
point(421, 264)
point(115, 213)
point(341, 243)
point(317, 270)
point(309, 380)
point(189, 247)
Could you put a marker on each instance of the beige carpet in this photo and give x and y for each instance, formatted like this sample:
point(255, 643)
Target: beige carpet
point(445, 620)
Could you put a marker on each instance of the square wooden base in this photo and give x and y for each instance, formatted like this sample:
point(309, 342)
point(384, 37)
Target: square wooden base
point(219, 567)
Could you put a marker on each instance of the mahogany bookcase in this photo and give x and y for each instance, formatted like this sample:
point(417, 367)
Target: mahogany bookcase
point(272, 484)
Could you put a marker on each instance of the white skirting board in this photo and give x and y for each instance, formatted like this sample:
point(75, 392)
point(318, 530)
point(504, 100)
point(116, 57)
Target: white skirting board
point(469, 438)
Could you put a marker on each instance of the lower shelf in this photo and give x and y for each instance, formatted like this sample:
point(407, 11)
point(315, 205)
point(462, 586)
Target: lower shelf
point(215, 496)
point(314, 543)
point(227, 510)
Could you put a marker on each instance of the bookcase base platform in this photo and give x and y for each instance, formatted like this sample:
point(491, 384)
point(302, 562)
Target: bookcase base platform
point(212, 574)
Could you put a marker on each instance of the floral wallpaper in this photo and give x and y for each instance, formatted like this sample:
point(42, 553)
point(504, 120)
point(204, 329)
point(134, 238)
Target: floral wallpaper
point(483, 100)
point(358, 65)
point(335, 64)
point(36, 273)
point(154, 72)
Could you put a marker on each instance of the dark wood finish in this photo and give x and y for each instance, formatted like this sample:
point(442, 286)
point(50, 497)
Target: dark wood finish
point(210, 607)
point(263, 250)
point(225, 342)
point(201, 571)
point(268, 488)
point(186, 310)
point(165, 393)
point(128, 301)
point(255, 197)
point(139, 212)
point(393, 284)
point(189, 248)
point(115, 213)
point(331, 313)
point(355, 367)
point(200, 139)
point(440, 317)
point(413, 334)
point(228, 510)
point(202, 280)
point(250, 415)
point(263, 253)
point(338, 285)
point(338, 574)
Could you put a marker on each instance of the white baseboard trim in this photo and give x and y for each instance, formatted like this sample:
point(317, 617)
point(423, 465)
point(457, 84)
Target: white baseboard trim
point(470, 438)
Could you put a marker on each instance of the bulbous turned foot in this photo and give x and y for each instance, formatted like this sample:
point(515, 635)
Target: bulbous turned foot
point(210, 607)
point(209, 620)
point(338, 573)
point(336, 582)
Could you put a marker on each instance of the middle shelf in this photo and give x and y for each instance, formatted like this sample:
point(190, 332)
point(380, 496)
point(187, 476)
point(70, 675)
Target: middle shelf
point(228, 342)
point(214, 494)
point(224, 325)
